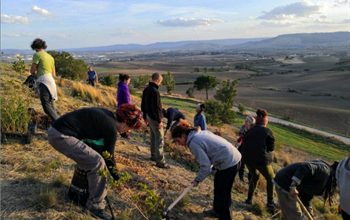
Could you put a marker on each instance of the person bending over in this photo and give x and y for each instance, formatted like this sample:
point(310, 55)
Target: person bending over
point(66, 135)
point(211, 150)
point(172, 114)
point(305, 180)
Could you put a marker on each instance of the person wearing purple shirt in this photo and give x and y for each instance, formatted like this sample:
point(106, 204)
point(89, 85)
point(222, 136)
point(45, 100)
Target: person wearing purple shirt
point(123, 94)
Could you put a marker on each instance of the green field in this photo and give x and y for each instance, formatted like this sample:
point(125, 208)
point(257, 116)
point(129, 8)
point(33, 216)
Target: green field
point(315, 145)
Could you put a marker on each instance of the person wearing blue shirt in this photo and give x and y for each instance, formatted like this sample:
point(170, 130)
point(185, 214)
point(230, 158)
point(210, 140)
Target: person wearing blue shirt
point(199, 118)
point(92, 76)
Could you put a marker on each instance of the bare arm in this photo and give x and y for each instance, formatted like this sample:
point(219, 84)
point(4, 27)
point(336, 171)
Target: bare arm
point(33, 69)
point(96, 78)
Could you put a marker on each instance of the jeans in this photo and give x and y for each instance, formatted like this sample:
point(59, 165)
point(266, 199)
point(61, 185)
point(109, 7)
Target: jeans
point(92, 82)
point(47, 102)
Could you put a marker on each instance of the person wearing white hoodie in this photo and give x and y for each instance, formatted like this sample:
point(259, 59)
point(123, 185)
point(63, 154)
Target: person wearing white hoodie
point(343, 179)
point(211, 150)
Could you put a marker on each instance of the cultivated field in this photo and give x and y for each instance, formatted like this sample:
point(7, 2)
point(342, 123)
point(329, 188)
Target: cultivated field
point(303, 89)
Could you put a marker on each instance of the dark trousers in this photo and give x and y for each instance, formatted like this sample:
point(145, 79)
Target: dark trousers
point(92, 82)
point(223, 182)
point(345, 215)
point(47, 102)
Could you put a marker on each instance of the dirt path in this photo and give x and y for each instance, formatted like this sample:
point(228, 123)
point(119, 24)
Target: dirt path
point(303, 127)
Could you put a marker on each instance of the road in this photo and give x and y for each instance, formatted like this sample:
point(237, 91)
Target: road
point(313, 130)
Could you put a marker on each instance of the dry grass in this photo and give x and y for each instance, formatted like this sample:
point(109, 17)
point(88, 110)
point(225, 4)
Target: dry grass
point(112, 100)
point(60, 93)
point(60, 82)
point(88, 93)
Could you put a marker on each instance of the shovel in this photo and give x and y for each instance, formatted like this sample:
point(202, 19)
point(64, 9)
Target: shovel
point(165, 213)
point(304, 209)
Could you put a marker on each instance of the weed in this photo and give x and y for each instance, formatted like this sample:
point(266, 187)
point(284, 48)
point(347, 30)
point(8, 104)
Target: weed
point(124, 215)
point(60, 93)
point(52, 165)
point(259, 207)
point(184, 201)
point(275, 157)
point(112, 100)
point(61, 82)
point(242, 109)
point(286, 160)
point(14, 111)
point(60, 181)
point(47, 198)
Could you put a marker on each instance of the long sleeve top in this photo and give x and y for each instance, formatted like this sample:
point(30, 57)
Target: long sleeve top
point(94, 124)
point(173, 114)
point(199, 121)
point(210, 149)
point(123, 94)
point(151, 103)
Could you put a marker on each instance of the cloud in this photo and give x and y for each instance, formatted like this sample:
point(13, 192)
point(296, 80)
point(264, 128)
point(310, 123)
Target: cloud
point(277, 24)
point(323, 16)
point(61, 35)
point(28, 34)
point(298, 9)
point(126, 32)
point(14, 19)
point(41, 11)
point(188, 22)
point(178, 11)
point(11, 35)
point(339, 3)
point(346, 21)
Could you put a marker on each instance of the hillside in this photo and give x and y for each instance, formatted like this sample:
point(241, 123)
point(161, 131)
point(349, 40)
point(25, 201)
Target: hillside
point(35, 177)
point(302, 41)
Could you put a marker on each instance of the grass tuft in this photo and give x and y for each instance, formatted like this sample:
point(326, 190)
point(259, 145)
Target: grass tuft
point(47, 198)
point(61, 180)
point(88, 93)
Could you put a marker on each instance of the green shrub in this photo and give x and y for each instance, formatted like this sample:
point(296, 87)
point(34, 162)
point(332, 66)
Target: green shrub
point(217, 113)
point(242, 108)
point(190, 92)
point(19, 66)
point(14, 111)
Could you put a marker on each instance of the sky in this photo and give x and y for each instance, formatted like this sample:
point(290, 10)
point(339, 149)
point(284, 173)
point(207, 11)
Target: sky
point(88, 23)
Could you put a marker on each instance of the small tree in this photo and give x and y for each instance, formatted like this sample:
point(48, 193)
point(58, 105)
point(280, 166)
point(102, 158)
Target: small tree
point(67, 67)
point(141, 81)
point(242, 108)
point(227, 92)
point(169, 82)
point(190, 92)
point(205, 82)
point(217, 113)
point(19, 66)
point(109, 80)
point(197, 70)
point(205, 69)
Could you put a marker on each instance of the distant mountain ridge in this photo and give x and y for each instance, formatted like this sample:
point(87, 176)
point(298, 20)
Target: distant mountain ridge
point(301, 40)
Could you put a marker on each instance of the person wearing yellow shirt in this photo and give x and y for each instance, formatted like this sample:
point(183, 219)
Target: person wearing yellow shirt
point(43, 67)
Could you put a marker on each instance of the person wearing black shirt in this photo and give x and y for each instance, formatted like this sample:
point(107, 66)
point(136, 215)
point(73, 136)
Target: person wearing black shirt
point(172, 114)
point(66, 133)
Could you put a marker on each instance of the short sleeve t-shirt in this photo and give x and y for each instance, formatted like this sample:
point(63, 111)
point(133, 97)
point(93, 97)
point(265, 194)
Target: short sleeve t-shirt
point(45, 63)
point(92, 74)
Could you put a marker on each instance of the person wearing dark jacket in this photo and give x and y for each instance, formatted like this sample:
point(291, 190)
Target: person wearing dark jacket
point(66, 135)
point(151, 107)
point(305, 180)
point(256, 150)
point(248, 124)
point(172, 114)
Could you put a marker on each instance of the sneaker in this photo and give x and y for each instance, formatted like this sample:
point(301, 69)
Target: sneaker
point(163, 165)
point(210, 213)
point(249, 201)
point(99, 214)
